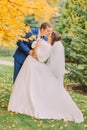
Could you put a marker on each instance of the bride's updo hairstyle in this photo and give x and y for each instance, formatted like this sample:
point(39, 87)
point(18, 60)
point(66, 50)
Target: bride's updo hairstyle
point(55, 36)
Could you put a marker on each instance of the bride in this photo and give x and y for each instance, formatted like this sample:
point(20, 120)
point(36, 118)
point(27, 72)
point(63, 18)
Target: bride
point(38, 90)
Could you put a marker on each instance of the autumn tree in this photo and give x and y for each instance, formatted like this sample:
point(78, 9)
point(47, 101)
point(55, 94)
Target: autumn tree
point(13, 13)
point(73, 26)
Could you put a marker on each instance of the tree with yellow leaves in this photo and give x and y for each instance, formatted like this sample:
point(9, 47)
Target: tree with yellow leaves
point(12, 14)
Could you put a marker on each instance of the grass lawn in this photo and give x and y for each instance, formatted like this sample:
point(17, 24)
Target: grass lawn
point(8, 58)
point(14, 121)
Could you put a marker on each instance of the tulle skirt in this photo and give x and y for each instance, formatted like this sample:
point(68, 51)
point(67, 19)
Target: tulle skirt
point(36, 92)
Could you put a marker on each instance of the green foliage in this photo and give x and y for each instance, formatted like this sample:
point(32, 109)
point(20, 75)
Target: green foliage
point(55, 18)
point(30, 21)
point(73, 27)
point(4, 51)
point(54, 21)
point(7, 58)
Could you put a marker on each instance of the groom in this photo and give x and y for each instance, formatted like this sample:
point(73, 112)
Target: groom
point(24, 47)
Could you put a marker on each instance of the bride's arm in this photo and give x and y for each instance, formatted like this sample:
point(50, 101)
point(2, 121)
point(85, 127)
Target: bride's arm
point(34, 52)
point(42, 50)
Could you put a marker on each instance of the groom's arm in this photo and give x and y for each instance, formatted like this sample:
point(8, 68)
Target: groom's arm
point(23, 45)
point(35, 31)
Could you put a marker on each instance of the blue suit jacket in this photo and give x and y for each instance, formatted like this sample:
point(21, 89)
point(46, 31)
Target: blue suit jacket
point(34, 31)
point(22, 51)
point(24, 47)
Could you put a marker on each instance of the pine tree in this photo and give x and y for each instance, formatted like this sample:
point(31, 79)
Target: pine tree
point(73, 26)
point(31, 22)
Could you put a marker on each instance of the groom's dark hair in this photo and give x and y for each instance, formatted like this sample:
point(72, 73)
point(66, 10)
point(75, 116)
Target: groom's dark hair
point(44, 25)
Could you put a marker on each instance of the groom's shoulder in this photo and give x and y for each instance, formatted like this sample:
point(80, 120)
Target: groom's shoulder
point(34, 30)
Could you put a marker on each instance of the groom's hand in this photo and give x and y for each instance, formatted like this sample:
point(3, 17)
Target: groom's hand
point(31, 52)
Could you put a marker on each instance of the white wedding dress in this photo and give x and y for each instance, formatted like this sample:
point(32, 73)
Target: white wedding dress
point(38, 90)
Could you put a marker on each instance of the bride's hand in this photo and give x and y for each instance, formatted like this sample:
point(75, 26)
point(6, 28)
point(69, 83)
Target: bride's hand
point(34, 51)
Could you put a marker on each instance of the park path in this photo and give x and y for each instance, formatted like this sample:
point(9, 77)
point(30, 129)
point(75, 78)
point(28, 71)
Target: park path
point(5, 62)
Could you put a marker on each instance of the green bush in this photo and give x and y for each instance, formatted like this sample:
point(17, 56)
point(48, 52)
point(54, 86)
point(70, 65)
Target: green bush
point(4, 51)
point(31, 22)
point(73, 27)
